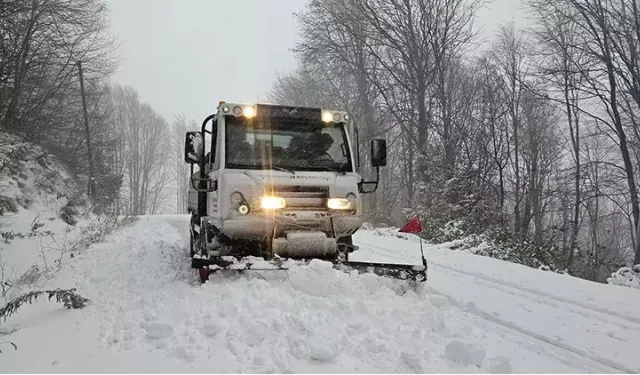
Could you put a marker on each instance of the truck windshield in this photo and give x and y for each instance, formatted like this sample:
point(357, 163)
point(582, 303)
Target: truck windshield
point(292, 146)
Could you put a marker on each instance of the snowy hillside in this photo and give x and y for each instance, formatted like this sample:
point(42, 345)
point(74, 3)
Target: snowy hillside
point(148, 313)
point(43, 220)
point(30, 177)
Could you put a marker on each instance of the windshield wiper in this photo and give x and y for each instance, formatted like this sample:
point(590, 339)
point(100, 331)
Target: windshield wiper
point(327, 169)
point(282, 169)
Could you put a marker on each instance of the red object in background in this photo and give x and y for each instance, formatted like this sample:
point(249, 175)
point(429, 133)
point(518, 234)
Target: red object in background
point(414, 226)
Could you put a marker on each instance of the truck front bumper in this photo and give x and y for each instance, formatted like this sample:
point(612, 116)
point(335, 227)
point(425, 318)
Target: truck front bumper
point(260, 226)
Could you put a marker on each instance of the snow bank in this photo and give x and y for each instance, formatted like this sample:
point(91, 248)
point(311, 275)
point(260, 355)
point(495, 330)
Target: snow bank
point(626, 276)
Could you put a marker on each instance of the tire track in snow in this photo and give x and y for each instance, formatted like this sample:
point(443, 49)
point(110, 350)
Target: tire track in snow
point(567, 305)
point(503, 285)
point(518, 290)
point(493, 283)
point(508, 326)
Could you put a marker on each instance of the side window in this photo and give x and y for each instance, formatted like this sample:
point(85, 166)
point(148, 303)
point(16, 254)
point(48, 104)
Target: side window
point(338, 150)
point(211, 141)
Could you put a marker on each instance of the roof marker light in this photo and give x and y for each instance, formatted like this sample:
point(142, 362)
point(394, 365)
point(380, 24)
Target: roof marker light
point(249, 112)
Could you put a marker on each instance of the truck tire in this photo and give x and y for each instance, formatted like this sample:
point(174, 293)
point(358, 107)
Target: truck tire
point(346, 240)
point(191, 250)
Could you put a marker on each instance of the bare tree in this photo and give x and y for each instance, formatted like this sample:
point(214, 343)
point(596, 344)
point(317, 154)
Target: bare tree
point(494, 129)
point(559, 40)
point(40, 43)
point(144, 136)
point(181, 169)
point(512, 59)
point(606, 70)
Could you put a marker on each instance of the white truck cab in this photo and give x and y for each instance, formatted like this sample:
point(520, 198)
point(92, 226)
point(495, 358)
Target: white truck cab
point(275, 181)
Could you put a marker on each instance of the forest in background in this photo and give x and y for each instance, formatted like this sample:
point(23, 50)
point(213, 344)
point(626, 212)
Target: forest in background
point(531, 145)
point(42, 45)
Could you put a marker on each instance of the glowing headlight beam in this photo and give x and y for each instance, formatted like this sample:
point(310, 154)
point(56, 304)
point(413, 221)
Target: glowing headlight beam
point(272, 203)
point(339, 204)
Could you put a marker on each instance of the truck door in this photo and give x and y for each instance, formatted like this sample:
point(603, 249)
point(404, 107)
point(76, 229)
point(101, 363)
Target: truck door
point(213, 208)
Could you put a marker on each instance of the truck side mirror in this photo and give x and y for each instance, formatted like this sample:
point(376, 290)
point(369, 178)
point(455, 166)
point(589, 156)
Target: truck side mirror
point(193, 148)
point(378, 152)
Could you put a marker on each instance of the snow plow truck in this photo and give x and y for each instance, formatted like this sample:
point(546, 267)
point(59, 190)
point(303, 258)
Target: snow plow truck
point(276, 183)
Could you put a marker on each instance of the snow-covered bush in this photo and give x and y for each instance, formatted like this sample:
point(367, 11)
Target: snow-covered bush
point(68, 297)
point(454, 208)
point(626, 276)
point(501, 244)
point(511, 248)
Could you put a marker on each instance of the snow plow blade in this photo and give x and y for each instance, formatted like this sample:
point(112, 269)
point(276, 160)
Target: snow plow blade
point(410, 272)
point(417, 273)
point(206, 267)
point(234, 264)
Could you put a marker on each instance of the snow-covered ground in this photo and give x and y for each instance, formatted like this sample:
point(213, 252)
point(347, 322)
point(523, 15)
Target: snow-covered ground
point(148, 313)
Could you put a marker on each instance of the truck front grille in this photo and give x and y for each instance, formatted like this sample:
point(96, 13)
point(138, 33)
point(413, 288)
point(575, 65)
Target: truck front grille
point(303, 197)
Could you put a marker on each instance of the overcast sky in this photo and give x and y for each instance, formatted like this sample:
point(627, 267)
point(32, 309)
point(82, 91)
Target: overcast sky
point(183, 56)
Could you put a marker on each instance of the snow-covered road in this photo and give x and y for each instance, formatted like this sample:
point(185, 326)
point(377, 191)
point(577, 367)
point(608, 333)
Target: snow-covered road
point(148, 313)
point(587, 326)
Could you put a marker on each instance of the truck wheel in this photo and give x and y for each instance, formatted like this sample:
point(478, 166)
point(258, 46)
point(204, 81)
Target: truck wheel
point(191, 250)
point(192, 238)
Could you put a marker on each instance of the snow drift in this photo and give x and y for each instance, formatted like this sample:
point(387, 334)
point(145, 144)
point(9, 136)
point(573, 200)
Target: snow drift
point(626, 276)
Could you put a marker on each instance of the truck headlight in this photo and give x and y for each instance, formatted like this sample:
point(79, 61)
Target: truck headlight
point(272, 203)
point(340, 204)
point(237, 198)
